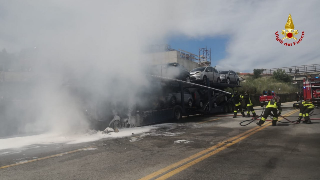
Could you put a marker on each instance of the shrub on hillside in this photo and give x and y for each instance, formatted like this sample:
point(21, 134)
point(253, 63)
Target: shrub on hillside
point(281, 75)
point(256, 86)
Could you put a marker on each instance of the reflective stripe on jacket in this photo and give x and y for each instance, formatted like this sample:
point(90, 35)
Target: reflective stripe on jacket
point(247, 100)
point(272, 104)
point(249, 103)
point(237, 98)
point(308, 104)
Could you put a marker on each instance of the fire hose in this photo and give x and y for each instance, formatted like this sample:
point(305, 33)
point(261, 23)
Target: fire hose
point(257, 118)
point(252, 119)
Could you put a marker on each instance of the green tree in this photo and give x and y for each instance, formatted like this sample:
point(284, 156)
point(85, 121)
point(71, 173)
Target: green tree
point(281, 75)
point(257, 73)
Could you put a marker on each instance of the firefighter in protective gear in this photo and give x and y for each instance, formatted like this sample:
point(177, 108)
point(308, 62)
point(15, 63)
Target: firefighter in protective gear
point(237, 104)
point(249, 105)
point(305, 108)
point(272, 107)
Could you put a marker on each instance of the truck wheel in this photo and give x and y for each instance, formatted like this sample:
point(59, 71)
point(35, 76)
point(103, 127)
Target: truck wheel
point(177, 114)
point(228, 81)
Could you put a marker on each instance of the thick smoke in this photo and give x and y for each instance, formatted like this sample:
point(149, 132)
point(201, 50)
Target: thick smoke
point(88, 59)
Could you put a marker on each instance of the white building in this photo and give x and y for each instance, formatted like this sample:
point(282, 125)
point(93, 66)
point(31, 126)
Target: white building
point(174, 56)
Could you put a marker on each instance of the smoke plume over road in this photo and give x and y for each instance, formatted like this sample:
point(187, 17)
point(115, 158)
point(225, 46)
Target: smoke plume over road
point(88, 53)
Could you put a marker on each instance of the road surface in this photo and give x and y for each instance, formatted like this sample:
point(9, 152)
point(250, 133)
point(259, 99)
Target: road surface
point(197, 147)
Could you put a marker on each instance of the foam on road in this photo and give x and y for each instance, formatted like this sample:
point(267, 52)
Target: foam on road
point(53, 138)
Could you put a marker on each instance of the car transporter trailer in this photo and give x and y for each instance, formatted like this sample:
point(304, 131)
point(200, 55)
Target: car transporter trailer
point(217, 101)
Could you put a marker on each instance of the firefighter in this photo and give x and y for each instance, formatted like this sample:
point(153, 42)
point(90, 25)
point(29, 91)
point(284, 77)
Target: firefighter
point(249, 105)
point(305, 108)
point(272, 106)
point(237, 104)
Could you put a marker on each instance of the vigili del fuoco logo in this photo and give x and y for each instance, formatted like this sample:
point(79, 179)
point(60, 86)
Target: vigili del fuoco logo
point(289, 33)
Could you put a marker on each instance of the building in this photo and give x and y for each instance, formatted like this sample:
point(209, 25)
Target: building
point(164, 54)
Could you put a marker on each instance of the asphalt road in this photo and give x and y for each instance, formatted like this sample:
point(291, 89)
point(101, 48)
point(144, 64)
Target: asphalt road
point(198, 147)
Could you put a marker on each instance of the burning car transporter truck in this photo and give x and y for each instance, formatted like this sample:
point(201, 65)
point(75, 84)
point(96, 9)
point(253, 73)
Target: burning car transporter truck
point(165, 100)
point(206, 99)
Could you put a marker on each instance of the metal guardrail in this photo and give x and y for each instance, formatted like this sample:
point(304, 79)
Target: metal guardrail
point(296, 70)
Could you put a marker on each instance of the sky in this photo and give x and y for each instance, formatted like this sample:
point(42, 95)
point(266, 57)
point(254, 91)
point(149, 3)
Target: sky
point(243, 33)
point(217, 45)
point(102, 43)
